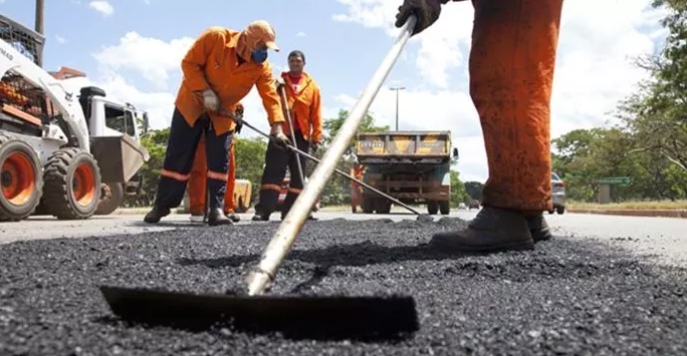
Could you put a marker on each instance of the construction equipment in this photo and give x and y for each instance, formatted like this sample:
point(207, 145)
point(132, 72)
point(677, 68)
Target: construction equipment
point(361, 317)
point(56, 150)
point(344, 174)
point(411, 166)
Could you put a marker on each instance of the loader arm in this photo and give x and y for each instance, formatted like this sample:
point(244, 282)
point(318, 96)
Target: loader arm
point(64, 101)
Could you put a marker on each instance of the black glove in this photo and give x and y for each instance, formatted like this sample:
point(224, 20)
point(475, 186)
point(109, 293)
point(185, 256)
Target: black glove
point(239, 119)
point(426, 11)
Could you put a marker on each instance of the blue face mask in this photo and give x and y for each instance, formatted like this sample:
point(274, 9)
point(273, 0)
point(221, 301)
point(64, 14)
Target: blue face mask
point(259, 55)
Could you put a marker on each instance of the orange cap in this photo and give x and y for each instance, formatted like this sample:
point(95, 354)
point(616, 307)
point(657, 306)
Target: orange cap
point(261, 30)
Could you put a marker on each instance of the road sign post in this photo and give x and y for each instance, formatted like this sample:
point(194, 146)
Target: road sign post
point(605, 187)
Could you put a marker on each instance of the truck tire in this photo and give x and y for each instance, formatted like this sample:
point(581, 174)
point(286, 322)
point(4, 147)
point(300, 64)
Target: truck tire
point(72, 184)
point(445, 207)
point(432, 207)
point(21, 178)
point(368, 205)
point(382, 206)
point(111, 197)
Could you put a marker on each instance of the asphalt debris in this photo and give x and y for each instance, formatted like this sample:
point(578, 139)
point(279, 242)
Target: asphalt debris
point(568, 296)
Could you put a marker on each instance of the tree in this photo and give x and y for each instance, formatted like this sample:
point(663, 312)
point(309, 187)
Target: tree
point(250, 160)
point(458, 193)
point(474, 190)
point(332, 127)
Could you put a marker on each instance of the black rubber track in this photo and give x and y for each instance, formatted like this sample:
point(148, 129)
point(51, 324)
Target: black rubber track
point(568, 297)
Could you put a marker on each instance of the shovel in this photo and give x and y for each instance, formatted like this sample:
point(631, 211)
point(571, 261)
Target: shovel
point(296, 316)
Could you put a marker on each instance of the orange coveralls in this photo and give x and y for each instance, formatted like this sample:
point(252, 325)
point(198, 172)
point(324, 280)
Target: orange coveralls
point(197, 181)
point(511, 69)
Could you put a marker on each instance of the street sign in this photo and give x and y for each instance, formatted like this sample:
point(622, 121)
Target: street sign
point(614, 180)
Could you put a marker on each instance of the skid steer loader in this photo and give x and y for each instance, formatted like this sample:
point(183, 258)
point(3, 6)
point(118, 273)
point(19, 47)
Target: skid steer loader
point(55, 148)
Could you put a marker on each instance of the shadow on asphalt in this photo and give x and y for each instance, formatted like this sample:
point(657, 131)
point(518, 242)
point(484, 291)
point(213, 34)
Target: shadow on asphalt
point(354, 255)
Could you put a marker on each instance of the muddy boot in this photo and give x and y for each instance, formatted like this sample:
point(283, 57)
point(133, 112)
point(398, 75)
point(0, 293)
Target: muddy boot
point(233, 217)
point(492, 230)
point(154, 216)
point(539, 228)
point(216, 217)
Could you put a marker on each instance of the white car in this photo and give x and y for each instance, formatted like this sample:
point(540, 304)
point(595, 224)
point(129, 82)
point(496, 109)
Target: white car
point(558, 194)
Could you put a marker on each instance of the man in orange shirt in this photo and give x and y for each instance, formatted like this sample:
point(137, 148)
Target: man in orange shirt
point(305, 107)
point(220, 69)
point(197, 187)
point(511, 65)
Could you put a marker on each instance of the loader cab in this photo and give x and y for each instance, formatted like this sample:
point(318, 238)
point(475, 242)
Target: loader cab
point(105, 117)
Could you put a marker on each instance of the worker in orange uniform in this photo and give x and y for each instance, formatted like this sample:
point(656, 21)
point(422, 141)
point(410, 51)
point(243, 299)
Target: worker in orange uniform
point(305, 107)
point(219, 70)
point(511, 68)
point(356, 190)
point(197, 187)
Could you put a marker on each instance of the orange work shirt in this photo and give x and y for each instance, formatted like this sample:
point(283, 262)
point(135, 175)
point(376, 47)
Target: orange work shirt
point(212, 62)
point(305, 105)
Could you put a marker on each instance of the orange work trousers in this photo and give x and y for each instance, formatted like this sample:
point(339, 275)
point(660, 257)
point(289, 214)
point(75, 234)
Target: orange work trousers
point(197, 188)
point(511, 70)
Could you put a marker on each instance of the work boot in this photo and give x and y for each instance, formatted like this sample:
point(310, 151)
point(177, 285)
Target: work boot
point(216, 217)
point(154, 216)
point(539, 228)
point(492, 230)
point(197, 216)
point(233, 217)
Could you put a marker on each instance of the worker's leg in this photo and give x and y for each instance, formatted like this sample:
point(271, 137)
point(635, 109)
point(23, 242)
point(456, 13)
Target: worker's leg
point(511, 73)
point(181, 149)
point(217, 153)
point(197, 189)
point(231, 184)
point(276, 161)
point(296, 183)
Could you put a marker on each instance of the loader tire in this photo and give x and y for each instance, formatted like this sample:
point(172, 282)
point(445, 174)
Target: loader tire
point(21, 179)
point(72, 184)
point(111, 198)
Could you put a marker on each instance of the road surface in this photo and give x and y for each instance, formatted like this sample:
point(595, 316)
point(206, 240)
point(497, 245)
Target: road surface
point(663, 239)
point(606, 285)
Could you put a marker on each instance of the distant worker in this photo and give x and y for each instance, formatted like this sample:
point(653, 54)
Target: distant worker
point(219, 70)
point(304, 105)
point(511, 68)
point(197, 187)
point(357, 171)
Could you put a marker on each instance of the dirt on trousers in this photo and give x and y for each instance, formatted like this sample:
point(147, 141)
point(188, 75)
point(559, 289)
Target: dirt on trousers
point(569, 296)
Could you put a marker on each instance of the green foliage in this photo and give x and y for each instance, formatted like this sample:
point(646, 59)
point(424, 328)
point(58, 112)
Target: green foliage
point(474, 190)
point(458, 192)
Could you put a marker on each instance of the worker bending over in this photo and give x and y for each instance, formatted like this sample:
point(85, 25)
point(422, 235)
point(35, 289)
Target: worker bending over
point(219, 70)
point(197, 187)
point(511, 68)
point(304, 105)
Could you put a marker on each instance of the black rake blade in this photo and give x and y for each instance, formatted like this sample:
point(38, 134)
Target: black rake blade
point(295, 317)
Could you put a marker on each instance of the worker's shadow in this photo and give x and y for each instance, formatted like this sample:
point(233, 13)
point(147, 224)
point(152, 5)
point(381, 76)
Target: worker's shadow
point(361, 254)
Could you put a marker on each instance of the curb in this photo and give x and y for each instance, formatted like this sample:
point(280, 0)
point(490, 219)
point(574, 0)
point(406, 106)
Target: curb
point(681, 214)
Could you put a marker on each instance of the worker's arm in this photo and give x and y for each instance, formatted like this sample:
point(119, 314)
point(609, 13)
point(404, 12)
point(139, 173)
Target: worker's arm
point(193, 63)
point(316, 116)
point(270, 98)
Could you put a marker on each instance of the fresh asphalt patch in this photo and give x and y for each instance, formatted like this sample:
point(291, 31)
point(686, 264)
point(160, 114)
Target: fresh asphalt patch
point(571, 296)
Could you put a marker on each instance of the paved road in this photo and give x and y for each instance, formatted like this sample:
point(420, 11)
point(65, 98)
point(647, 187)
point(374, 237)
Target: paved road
point(663, 239)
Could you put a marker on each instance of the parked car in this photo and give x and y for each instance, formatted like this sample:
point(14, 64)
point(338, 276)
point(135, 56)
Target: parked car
point(558, 194)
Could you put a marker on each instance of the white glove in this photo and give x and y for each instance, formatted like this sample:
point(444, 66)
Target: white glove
point(210, 100)
point(280, 82)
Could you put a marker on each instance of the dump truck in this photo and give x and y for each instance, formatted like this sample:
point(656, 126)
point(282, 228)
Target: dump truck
point(411, 166)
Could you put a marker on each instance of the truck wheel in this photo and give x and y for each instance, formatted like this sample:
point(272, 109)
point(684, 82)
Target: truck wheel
point(72, 184)
point(383, 206)
point(445, 207)
point(111, 197)
point(241, 206)
point(432, 207)
point(560, 210)
point(368, 205)
point(21, 178)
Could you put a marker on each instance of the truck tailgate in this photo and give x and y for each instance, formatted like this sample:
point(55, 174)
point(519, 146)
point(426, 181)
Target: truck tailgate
point(410, 145)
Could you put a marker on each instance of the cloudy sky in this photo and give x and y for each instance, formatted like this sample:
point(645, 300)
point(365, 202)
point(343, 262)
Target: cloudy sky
point(132, 48)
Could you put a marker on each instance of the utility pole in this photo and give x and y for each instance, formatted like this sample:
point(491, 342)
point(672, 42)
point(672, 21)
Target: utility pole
point(397, 89)
point(40, 9)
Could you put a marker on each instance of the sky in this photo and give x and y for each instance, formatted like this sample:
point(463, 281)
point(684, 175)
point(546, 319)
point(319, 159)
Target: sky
point(133, 49)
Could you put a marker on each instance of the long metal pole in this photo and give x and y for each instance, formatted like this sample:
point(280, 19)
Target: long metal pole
point(285, 105)
point(397, 89)
point(39, 25)
point(259, 277)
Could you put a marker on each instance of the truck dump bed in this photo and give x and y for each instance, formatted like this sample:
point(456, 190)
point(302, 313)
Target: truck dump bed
point(414, 147)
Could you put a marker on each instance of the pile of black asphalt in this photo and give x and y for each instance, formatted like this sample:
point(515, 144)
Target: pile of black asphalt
point(570, 296)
